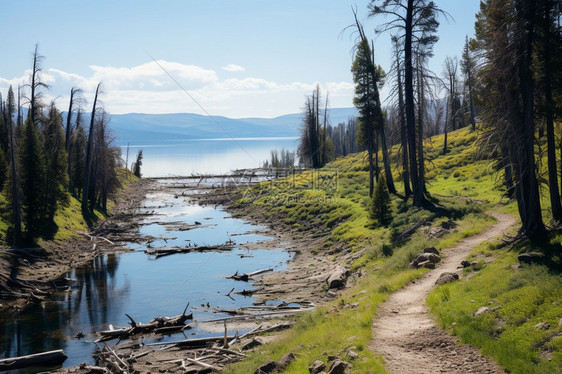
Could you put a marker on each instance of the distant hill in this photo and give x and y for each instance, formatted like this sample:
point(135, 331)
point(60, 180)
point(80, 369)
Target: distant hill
point(138, 128)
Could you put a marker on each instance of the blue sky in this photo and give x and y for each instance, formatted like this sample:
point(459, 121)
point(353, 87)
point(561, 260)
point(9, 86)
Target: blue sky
point(237, 58)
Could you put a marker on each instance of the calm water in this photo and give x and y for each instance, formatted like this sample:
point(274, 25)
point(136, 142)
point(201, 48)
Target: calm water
point(144, 287)
point(206, 156)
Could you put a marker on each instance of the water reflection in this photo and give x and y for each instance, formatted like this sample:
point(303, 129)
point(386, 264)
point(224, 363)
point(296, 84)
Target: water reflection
point(137, 284)
point(53, 325)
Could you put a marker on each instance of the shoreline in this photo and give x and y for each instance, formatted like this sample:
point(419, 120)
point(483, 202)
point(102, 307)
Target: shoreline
point(44, 268)
point(303, 281)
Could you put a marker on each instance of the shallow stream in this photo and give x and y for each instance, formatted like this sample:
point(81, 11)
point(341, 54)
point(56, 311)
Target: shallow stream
point(145, 287)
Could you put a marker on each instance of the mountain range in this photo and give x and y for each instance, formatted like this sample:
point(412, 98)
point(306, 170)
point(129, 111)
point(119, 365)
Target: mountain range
point(139, 128)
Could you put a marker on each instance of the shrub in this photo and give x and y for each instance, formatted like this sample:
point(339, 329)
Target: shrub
point(379, 208)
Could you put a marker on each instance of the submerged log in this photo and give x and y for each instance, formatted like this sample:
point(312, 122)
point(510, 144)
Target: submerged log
point(166, 251)
point(246, 276)
point(158, 325)
point(44, 358)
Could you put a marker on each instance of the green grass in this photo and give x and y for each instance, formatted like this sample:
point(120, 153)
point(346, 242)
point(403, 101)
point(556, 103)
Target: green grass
point(463, 187)
point(68, 217)
point(519, 298)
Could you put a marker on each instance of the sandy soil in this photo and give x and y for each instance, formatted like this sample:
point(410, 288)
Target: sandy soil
point(405, 333)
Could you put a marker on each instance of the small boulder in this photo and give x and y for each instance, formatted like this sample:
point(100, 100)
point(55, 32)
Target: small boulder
point(446, 278)
point(482, 309)
point(353, 355)
point(431, 250)
point(268, 367)
point(529, 258)
point(252, 344)
point(449, 225)
point(316, 367)
point(542, 326)
point(421, 258)
point(338, 367)
point(285, 361)
point(337, 278)
point(426, 264)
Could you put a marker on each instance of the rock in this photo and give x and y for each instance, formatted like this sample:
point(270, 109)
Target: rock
point(426, 264)
point(266, 368)
point(436, 232)
point(446, 278)
point(449, 225)
point(338, 367)
point(465, 264)
point(285, 361)
point(252, 344)
point(275, 366)
point(529, 258)
point(482, 309)
point(316, 367)
point(542, 326)
point(337, 278)
point(431, 250)
point(422, 258)
point(353, 355)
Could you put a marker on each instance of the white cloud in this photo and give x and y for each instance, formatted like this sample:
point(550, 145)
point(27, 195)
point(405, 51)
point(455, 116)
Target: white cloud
point(148, 88)
point(232, 67)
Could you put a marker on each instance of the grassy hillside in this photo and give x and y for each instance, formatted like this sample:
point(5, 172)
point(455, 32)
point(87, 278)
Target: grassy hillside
point(333, 202)
point(68, 217)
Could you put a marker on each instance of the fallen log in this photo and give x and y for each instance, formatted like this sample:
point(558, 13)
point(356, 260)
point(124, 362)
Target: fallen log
point(45, 358)
point(246, 276)
point(201, 363)
point(166, 251)
point(158, 325)
point(192, 343)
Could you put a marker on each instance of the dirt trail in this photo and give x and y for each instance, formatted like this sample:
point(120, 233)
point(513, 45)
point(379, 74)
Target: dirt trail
point(404, 331)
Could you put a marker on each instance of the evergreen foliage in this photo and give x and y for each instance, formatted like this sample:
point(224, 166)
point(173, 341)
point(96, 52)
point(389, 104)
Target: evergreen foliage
point(380, 208)
point(137, 165)
point(55, 157)
point(31, 161)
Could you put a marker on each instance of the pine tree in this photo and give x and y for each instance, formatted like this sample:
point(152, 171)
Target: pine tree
point(380, 209)
point(416, 22)
point(31, 162)
point(56, 178)
point(13, 183)
point(138, 164)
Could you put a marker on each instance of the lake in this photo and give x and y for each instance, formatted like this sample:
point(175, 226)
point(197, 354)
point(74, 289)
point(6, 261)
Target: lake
point(205, 156)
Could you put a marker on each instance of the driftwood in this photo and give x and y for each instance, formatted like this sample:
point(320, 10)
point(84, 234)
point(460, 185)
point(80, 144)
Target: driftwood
point(246, 276)
point(91, 237)
point(44, 359)
point(192, 343)
point(158, 325)
point(166, 251)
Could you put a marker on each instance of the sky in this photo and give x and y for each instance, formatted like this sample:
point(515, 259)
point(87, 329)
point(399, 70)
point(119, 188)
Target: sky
point(244, 58)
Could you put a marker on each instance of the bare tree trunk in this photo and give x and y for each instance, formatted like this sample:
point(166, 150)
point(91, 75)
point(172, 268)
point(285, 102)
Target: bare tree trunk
point(68, 143)
point(421, 108)
point(549, 114)
point(403, 136)
point(89, 149)
point(409, 105)
point(533, 225)
point(16, 204)
point(472, 118)
point(446, 127)
point(386, 161)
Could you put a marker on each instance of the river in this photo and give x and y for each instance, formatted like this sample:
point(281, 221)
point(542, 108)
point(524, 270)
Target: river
point(145, 287)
